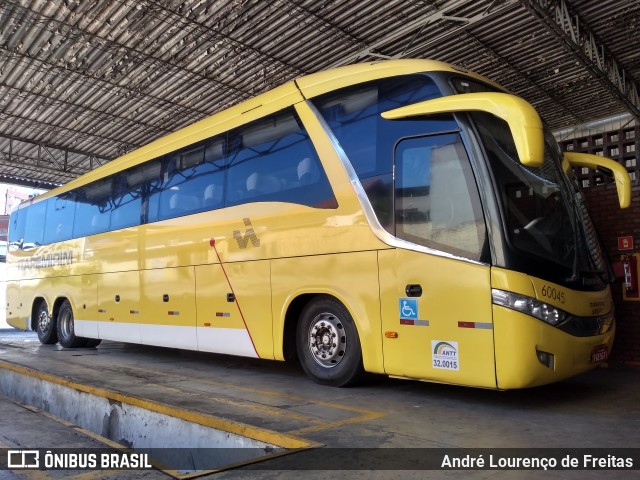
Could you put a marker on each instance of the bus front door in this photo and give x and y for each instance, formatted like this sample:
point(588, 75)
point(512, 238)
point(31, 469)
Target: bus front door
point(436, 319)
point(435, 288)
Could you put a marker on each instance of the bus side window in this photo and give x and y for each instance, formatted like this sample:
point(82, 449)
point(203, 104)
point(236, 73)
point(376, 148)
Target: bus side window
point(193, 180)
point(59, 221)
point(273, 160)
point(33, 232)
point(93, 208)
point(16, 229)
point(130, 188)
point(213, 171)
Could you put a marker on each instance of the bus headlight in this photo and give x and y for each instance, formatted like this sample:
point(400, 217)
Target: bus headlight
point(521, 303)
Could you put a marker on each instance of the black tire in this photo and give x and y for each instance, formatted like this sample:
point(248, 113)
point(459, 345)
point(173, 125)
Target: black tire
point(66, 327)
point(328, 344)
point(92, 342)
point(45, 325)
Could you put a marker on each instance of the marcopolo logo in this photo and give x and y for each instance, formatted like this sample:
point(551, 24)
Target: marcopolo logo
point(445, 355)
point(249, 235)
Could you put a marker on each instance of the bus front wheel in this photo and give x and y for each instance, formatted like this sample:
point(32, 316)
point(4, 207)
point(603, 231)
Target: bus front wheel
point(328, 345)
point(66, 330)
point(45, 325)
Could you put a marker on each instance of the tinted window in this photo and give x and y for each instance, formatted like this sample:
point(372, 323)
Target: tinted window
point(368, 140)
point(436, 197)
point(353, 114)
point(129, 190)
point(34, 231)
point(93, 208)
point(273, 159)
point(193, 180)
point(16, 229)
point(539, 220)
point(59, 222)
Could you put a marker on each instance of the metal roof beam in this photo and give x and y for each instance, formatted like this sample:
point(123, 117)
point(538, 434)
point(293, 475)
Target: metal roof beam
point(28, 168)
point(27, 182)
point(561, 20)
point(526, 78)
point(74, 33)
point(73, 170)
point(418, 26)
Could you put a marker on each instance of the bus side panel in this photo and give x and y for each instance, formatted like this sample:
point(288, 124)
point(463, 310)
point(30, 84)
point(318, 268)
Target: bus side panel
point(119, 306)
point(112, 252)
point(220, 328)
point(350, 277)
point(17, 312)
point(168, 307)
point(445, 333)
point(251, 282)
point(29, 290)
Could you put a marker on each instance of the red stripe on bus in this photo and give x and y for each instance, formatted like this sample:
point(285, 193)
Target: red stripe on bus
point(467, 324)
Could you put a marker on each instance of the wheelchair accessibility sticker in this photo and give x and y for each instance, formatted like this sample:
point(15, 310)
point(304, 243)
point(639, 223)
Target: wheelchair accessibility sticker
point(408, 310)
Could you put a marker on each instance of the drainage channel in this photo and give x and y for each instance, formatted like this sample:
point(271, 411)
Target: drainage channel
point(178, 441)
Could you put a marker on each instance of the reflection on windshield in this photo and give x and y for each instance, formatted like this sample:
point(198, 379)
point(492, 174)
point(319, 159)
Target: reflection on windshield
point(536, 216)
point(544, 215)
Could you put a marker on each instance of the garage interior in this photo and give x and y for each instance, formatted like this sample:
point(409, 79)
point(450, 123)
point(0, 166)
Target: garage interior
point(83, 82)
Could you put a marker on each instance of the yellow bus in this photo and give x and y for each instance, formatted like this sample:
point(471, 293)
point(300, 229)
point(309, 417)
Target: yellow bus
point(405, 217)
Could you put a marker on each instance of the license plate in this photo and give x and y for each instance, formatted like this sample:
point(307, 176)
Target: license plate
point(599, 354)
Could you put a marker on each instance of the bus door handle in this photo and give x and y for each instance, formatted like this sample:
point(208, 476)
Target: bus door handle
point(413, 290)
point(117, 298)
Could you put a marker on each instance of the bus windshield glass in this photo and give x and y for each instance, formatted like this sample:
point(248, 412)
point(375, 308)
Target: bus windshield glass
point(543, 211)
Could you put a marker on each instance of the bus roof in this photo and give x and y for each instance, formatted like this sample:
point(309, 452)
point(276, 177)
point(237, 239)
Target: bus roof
point(280, 97)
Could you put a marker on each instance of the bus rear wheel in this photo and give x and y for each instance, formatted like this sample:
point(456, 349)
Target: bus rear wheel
point(65, 327)
point(328, 345)
point(45, 325)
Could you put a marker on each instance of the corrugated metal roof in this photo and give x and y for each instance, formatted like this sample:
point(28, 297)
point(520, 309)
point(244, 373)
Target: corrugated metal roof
point(82, 82)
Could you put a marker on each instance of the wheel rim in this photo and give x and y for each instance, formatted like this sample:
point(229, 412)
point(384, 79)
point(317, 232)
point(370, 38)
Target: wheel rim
point(44, 321)
point(66, 323)
point(327, 340)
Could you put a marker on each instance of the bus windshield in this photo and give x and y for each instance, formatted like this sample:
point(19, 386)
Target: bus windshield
point(544, 214)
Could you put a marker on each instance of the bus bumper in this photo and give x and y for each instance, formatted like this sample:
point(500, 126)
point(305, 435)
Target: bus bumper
point(518, 340)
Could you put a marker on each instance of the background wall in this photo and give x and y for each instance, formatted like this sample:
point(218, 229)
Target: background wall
point(611, 223)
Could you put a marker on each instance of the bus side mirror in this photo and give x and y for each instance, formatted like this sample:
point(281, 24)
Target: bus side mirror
point(524, 122)
point(608, 167)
